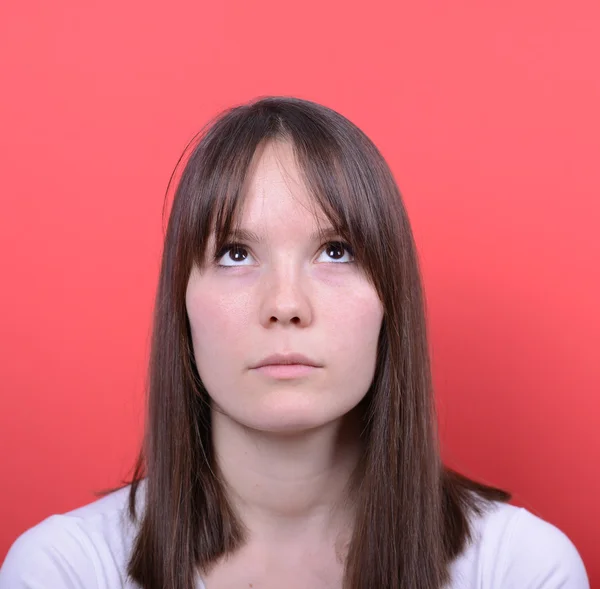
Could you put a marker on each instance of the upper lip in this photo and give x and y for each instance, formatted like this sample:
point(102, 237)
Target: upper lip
point(286, 359)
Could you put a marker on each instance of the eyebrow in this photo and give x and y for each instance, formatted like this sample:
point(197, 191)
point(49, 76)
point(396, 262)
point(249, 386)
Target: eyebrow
point(252, 237)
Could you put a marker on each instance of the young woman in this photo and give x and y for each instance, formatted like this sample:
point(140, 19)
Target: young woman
point(291, 438)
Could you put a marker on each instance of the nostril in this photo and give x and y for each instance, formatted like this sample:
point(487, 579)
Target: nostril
point(292, 320)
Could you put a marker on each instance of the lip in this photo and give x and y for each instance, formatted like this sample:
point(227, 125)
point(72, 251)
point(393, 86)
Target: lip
point(286, 360)
point(286, 371)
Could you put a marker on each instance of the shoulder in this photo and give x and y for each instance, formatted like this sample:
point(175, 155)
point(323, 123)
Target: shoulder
point(84, 548)
point(512, 548)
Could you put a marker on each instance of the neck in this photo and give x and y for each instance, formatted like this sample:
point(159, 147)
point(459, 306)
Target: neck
point(286, 485)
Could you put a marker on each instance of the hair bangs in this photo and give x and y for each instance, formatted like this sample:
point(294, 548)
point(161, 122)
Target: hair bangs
point(357, 195)
point(222, 169)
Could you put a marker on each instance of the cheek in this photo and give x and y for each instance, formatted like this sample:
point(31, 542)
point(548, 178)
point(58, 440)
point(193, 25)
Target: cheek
point(217, 324)
point(353, 324)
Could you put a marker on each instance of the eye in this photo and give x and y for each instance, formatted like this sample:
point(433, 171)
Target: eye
point(337, 252)
point(233, 254)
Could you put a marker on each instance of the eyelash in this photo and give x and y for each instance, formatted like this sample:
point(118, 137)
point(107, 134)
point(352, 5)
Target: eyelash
point(218, 255)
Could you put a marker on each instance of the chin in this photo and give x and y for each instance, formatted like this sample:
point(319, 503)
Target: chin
point(292, 418)
point(287, 412)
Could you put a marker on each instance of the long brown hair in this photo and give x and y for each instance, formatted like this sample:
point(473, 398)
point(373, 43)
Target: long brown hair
point(413, 512)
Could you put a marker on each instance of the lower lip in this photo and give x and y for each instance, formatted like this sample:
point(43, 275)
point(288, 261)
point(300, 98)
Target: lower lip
point(286, 371)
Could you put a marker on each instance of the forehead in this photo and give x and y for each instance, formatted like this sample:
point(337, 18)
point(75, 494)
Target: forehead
point(275, 193)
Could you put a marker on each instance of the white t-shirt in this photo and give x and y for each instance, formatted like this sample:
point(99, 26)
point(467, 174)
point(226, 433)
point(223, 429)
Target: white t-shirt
point(88, 548)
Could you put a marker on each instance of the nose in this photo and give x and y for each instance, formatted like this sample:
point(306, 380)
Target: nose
point(285, 298)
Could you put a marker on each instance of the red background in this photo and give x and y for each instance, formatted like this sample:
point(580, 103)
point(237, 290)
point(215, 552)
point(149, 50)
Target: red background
point(488, 113)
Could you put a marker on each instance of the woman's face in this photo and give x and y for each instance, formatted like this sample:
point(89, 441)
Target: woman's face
point(283, 291)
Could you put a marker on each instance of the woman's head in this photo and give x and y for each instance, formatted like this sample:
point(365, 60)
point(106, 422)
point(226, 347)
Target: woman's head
point(334, 261)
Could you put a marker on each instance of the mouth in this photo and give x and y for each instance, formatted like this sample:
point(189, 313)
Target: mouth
point(287, 366)
point(286, 371)
point(287, 360)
